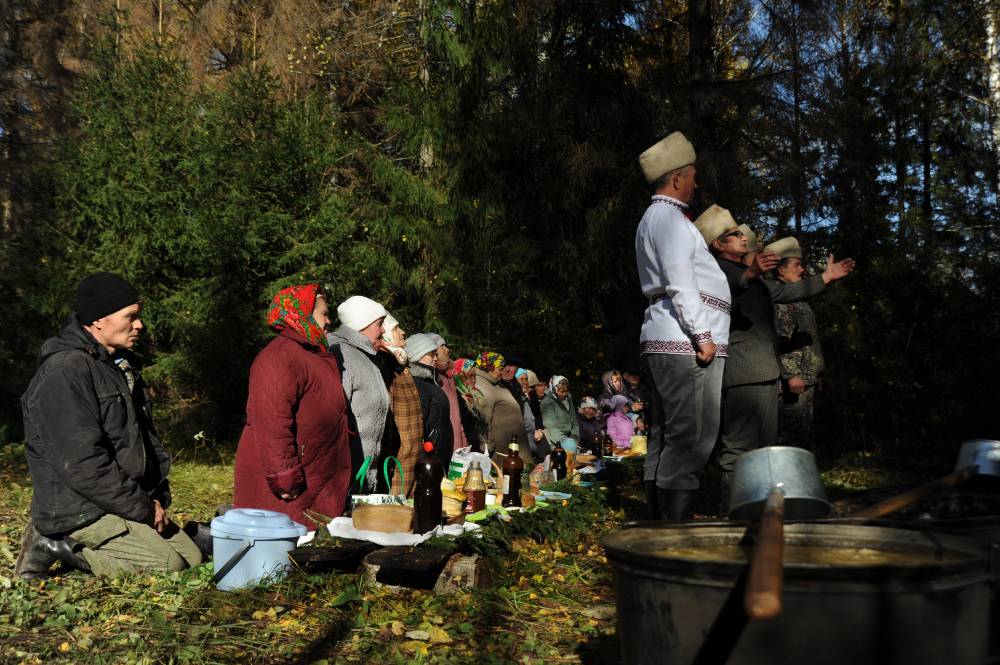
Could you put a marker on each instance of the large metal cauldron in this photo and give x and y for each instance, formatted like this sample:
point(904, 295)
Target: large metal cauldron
point(682, 611)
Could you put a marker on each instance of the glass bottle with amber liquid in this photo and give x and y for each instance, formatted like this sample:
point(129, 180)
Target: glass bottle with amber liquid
point(597, 445)
point(513, 467)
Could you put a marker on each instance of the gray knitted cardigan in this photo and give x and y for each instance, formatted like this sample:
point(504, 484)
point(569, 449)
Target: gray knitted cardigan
point(753, 355)
point(367, 396)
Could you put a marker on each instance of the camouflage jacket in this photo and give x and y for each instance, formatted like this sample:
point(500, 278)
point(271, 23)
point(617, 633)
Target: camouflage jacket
point(798, 342)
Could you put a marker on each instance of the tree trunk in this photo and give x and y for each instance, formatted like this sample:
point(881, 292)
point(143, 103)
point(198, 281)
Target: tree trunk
point(797, 130)
point(701, 55)
point(898, 121)
point(992, 21)
point(925, 154)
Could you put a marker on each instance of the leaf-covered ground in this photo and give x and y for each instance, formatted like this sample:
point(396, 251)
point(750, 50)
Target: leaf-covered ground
point(551, 602)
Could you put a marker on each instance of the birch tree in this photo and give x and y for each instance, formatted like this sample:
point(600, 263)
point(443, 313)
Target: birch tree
point(992, 21)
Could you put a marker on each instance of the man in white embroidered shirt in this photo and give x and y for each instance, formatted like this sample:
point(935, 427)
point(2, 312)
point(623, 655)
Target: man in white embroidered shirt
point(685, 331)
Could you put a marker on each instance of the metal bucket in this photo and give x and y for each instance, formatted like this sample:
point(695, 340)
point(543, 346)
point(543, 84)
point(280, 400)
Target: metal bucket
point(681, 611)
point(793, 470)
point(984, 453)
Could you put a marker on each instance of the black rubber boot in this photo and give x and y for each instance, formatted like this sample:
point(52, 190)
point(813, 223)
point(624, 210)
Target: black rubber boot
point(39, 552)
point(201, 534)
point(35, 559)
point(674, 504)
point(652, 503)
point(66, 551)
point(724, 494)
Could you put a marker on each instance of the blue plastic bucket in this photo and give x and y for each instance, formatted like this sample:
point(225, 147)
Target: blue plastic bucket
point(250, 545)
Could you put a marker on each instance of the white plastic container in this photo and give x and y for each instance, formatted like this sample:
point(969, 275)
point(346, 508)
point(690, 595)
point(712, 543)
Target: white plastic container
point(257, 541)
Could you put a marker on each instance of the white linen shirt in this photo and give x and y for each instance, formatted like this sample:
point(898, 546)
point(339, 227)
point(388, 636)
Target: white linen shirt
point(689, 294)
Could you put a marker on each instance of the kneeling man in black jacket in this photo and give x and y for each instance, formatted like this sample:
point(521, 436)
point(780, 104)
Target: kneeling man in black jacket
point(97, 466)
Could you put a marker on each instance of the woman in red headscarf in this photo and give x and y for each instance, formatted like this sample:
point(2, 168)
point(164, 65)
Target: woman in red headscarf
point(294, 453)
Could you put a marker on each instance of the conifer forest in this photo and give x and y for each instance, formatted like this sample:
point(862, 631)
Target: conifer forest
point(473, 165)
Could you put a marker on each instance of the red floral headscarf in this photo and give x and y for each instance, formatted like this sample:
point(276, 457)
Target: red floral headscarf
point(292, 309)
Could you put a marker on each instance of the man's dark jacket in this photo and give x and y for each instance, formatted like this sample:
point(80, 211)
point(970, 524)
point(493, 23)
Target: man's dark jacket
point(753, 355)
point(91, 446)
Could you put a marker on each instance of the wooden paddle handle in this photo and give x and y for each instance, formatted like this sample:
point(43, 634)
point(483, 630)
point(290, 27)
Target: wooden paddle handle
point(903, 500)
point(763, 595)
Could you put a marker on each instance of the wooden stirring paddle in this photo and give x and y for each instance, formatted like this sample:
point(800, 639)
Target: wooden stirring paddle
point(762, 599)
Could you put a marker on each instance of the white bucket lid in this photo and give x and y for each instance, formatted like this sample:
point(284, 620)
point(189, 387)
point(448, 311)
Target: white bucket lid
point(258, 524)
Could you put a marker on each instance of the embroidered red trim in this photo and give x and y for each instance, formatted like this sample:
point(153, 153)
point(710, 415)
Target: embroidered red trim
point(675, 346)
point(716, 303)
point(708, 299)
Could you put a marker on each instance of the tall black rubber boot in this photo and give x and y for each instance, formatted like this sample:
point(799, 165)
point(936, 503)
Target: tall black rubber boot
point(34, 559)
point(674, 504)
point(39, 552)
point(67, 551)
point(201, 534)
point(724, 486)
point(652, 502)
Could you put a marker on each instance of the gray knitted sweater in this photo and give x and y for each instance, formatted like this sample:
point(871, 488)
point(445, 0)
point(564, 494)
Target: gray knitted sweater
point(753, 356)
point(367, 396)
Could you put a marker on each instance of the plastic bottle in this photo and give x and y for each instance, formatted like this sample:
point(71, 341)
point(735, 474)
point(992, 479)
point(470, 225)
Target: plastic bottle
point(559, 461)
point(427, 475)
point(513, 468)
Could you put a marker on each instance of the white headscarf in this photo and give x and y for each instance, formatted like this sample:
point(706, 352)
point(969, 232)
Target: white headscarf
point(554, 383)
point(398, 352)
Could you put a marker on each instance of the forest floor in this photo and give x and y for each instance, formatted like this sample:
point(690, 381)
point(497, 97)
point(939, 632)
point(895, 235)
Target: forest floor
point(552, 601)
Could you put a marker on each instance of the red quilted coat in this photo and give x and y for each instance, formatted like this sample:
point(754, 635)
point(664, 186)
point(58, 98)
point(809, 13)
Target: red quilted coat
point(296, 436)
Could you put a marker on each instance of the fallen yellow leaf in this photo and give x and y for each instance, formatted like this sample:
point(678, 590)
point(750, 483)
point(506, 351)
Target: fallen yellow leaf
point(64, 647)
point(439, 635)
point(413, 646)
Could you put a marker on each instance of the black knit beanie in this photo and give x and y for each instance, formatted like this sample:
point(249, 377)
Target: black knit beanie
point(102, 293)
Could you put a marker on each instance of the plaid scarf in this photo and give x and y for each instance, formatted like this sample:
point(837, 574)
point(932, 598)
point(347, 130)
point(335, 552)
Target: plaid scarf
point(404, 401)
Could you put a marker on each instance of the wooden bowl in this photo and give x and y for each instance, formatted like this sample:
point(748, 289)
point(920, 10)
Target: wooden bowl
point(385, 518)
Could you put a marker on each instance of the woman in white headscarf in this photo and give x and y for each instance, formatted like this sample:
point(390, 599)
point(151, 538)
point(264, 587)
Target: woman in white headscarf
point(404, 431)
point(356, 343)
point(558, 411)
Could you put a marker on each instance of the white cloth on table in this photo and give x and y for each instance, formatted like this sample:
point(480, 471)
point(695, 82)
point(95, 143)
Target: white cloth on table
point(343, 527)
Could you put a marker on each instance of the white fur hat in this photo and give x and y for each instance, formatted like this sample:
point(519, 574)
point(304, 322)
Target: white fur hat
point(751, 237)
point(667, 155)
point(714, 222)
point(786, 248)
point(358, 312)
point(437, 339)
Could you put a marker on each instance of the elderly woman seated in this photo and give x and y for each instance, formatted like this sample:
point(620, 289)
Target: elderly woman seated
point(558, 412)
point(591, 423)
point(618, 422)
